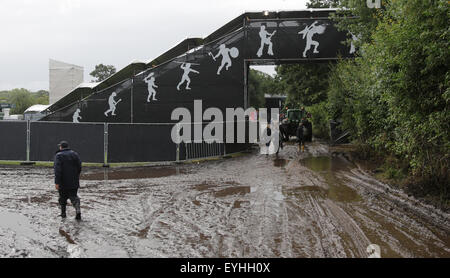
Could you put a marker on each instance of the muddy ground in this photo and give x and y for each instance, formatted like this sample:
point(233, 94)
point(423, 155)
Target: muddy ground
point(311, 204)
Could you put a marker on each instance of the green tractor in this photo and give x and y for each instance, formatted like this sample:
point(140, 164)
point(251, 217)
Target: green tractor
point(290, 123)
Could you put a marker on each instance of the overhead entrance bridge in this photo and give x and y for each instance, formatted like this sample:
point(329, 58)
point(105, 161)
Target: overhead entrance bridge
point(212, 69)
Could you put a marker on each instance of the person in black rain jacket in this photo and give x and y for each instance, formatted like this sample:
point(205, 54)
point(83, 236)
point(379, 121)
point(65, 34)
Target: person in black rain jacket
point(67, 168)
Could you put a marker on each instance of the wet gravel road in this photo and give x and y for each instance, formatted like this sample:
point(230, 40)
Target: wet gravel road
point(297, 205)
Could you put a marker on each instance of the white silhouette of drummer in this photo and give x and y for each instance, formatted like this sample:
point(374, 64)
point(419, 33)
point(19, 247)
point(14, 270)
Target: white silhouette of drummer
point(112, 105)
point(227, 54)
point(309, 32)
point(76, 116)
point(185, 78)
point(150, 80)
point(266, 38)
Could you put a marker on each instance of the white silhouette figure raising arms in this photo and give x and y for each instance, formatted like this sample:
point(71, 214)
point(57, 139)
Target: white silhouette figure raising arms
point(150, 80)
point(309, 32)
point(112, 105)
point(76, 116)
point(187, 69)
point(265, 39)
point(227, 54)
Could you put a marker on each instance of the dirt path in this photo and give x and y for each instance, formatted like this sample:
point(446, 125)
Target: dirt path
point(298, 205)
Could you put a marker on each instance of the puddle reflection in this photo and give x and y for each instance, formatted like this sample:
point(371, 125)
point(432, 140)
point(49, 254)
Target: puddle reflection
point(328, 167)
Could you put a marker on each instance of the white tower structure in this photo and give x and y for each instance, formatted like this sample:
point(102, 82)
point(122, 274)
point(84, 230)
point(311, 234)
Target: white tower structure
point(63, 79)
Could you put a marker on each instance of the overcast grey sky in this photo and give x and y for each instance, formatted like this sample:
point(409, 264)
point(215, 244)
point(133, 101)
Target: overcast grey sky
point(116, 32)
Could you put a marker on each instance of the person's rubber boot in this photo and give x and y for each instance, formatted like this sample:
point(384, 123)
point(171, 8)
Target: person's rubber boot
point(63, 212)
point(303, 148)
point(78, 210)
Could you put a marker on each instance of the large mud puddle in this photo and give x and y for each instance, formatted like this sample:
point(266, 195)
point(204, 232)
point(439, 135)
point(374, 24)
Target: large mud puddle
point(294, 205)
point(329, 167)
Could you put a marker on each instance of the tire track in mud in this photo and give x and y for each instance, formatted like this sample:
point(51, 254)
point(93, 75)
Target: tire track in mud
point(308, 190)
point(353, 230)
point(409, 228)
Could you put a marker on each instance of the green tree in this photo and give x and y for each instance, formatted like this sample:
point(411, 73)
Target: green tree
point(21, 99)
point(304, 84)
point(395, 97)
point(358, 19)
point(259, 84)
point(411, 50)
point(322, 4)
point(4, 96)
point(102, 72)
point(41, 97)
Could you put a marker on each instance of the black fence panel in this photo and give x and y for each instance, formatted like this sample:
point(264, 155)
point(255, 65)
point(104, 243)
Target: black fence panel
point(140, 143)
point(13, 140)
point(236, 148)
point(86, 139)
point(125, 142)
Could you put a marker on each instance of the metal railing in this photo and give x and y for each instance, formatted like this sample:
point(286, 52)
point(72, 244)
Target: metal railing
point(204, 150)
